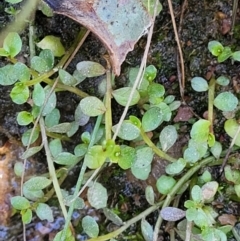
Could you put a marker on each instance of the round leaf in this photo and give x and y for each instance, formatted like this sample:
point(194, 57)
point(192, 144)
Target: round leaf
point(209, 190)
point(97, 196)
point(8, 76)
point(90, 226)
point(52, 118)
point(90, 69)
point(196, 193)
point(92, 106)
point(38, 95)
point(12, 44)
point(215, 48)
point(20, 203)
point(222, 80)
point(128, 131)
point(60, 128)
point(176, 167)
point(226, 53)
point(26, 136)
point(168, 137)
point(200, 131)
point(141, 173)
point(152, 119)
point(156, 92)
point(95, 157)
point(24, 118)
point(54, 44)
point(27, 216)
point(66, 78)
point(20, 93)
point(122, 96)
point(66, 158)
point(216, 150)
point(165, 184)
point(22, 71)
point(236, 55)
point(199, 84)
point(126, 157)
point(44, 212)
point(55, 147)
point(231, 126)
point(31, 151)
point(37, 183)
point(51, 101)
point(226, 101)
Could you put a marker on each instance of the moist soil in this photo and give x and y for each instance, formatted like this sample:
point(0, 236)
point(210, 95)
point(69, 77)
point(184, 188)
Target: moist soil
point(198, 23)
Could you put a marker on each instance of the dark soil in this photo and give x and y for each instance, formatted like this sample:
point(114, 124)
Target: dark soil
point(200, 24)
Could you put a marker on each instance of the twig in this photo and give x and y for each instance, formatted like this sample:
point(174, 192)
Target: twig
point(182, 78)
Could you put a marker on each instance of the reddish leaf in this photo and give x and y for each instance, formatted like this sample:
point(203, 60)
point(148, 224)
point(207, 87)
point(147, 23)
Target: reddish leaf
point(117, 23)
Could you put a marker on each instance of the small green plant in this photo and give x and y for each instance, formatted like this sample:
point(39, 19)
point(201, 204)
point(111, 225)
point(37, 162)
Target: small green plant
point(222, 53)
point(115, 144)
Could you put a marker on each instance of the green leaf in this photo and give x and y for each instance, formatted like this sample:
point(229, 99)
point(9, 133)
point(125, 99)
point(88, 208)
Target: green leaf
point(191, 214)
point(90, 226)
point(55, 147)
point(86, 137)
point(226, 101)
point(236, 55)
point(169, 99)
point(95, 157)
point(66, 78)
point(150, 6)
point(144, 157)
point(44, 62)
point(237, 189)
point(191, 155)
point(226, 53)
point(152, 119)
point(216, 149)
point(60, 128)
point(51, 101)
point(33, 195)
point(38, 95)
point(149, 194)
point(24, 118)
point(18, 168)
point(13, 1)
point(199, 84)
point(27, 216)
point(52, 118)
point(8, 75)
point(196, 194)
point(78, 202)
point(209, 190)
point(31, 151)
point(109, 214)
point(92, 106)
point(20, 93)
point(3, 52)
point(151, 71)
point(22, 71)
point(97, 196)
point(141, 173)
point(133, 72)
point(122, 96)
point(200, 147)
point(128, 131)
point(90, 69)
point(165, 184)
point(54, 44)
point(74, 126)
point(232, 175)
point(37, 183)
point(66, 158)
point(26, 136)
point(80, 117)
point(20, 203)
point(126, 157)
point(45, 8)
point(166, 111)
point(12, 44)
point(200, 131)
point(156, 93)
point(215, 48)
point(44, 212)
point(80, 150)
point(176, 167)
point(222, 80)
point(147, 230)
point(231, 126)
point(190, 204)
point(175, 105)
point(168, 137)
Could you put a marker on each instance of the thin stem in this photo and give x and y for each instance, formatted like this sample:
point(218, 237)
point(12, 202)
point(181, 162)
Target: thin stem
point(211, 92)
point(108, 113)
point(80, 179)
point(176, 188)
point(159, 152)
point(51, 168)
point(127, 224)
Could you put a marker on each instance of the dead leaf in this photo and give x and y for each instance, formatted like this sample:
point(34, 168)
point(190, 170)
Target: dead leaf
point(227, 219)
point(117, 23)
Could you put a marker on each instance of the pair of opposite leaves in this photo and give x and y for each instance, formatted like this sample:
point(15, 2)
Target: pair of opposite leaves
point(117, 23)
